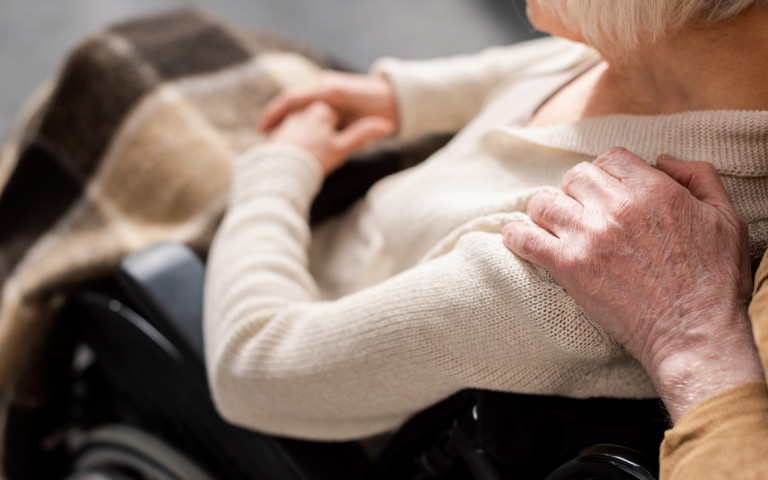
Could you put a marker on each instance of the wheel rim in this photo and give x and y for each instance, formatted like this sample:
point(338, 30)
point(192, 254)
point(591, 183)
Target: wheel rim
point(128, 453)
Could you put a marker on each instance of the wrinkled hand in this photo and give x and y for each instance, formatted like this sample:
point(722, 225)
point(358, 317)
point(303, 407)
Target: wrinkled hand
point(317, 130)
point(353, 96)
point(659, 259)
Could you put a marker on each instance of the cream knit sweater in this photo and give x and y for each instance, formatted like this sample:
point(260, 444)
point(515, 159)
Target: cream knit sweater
point(347, 330)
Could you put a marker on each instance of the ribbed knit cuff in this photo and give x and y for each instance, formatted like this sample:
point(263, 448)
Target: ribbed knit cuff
point(717, 435)
point(276, 169)
point(419, 100)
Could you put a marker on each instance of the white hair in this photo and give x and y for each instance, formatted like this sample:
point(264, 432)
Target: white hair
point(621, 26)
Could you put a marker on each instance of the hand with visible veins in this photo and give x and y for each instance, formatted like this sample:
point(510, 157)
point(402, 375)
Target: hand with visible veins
point(658, 258)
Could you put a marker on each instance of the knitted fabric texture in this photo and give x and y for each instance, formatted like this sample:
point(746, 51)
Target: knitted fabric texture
point(347, 329)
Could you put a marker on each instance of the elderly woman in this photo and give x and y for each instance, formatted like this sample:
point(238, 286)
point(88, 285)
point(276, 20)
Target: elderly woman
point(346, 330)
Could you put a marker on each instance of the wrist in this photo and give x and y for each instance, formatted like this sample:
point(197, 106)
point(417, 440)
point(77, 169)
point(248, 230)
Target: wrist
point(705, 366)
point(387, 106)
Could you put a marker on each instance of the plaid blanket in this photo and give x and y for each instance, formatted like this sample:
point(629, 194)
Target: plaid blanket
point(130, 145)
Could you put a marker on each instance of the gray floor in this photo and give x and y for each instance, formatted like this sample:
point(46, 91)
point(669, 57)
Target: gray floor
point(35, 34)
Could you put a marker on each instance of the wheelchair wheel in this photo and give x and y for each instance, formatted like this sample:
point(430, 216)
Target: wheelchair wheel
point(120, 452)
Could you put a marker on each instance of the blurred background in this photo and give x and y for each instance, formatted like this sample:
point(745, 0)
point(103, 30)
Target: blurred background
point(36, 34)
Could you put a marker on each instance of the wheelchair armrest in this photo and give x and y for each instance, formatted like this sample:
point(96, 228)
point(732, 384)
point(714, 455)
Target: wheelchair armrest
point(165, 283)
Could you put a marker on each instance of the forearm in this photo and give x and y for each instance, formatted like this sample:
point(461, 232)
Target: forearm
point(280, 359)
point(697, 347)
point(283, 361)
point(723, 435)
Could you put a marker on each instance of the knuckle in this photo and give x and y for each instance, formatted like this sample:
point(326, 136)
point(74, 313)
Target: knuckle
point(544, 207)
point(536, 205)
point(528, 244)
point(624, 206)
point(614, 154)
point(576, 174)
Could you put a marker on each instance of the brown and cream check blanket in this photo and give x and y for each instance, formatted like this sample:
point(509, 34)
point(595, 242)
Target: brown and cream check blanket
point(131, 144)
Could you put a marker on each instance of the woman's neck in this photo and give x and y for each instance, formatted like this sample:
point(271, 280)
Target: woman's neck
point(722, 67)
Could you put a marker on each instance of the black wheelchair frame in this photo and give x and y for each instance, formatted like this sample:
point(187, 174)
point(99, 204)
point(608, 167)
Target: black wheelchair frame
point(147, 360)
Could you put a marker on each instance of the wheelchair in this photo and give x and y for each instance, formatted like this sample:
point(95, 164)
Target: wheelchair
point(137, 405)
point(145, 411)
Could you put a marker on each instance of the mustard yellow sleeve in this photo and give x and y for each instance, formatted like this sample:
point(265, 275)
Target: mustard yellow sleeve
point(723, 437)
point(758, 311)
point(726, 436)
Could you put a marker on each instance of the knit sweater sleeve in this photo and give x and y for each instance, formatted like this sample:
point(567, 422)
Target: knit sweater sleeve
point(283, 361)
point(442, 95)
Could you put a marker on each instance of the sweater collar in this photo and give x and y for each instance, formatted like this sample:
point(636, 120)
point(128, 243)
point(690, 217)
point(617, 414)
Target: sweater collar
point(734, 141)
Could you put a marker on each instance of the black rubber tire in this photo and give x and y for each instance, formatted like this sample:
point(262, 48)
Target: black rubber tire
point(121, 452)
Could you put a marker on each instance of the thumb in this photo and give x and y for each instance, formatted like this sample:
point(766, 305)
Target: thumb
point(700, 178)
point(363, 132)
